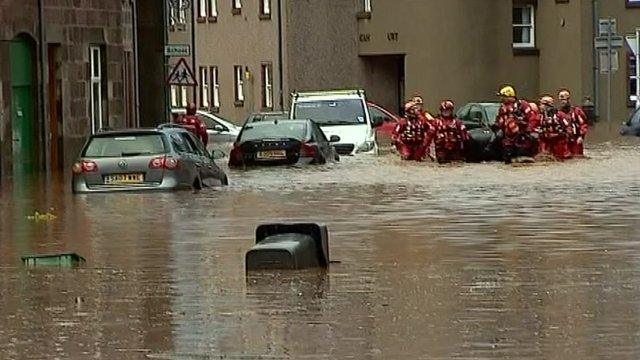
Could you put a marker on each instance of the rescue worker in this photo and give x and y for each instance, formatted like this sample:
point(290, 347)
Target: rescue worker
point(577, 121)
point(450, 134)
point(417, 99)
point(413, 136)
point(194, 124)
point(554, 129)
point(518, 123)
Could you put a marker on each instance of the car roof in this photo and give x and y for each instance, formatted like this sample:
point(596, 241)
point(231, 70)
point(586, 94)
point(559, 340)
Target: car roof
point(328, 95)
point(164, 128)
point(279, 121)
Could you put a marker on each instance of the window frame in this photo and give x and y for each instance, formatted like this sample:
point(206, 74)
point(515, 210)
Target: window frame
point(366, 6)
point(236, 7)
point(532, 26)
point(215, 88)
point(267, 85)
point(213, 9)
point(96, 115)
point(203, 10)
point(632, 73)
point(204, 87)
point(265, 9)
point(238, 79)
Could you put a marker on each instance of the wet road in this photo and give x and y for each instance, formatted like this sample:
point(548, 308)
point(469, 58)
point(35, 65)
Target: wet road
point(466, 262)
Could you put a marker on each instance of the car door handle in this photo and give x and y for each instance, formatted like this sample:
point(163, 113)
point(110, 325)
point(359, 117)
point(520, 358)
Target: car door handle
point(16, 139)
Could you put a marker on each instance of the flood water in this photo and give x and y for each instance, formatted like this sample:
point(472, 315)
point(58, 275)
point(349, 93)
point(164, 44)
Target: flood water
point(477, 261)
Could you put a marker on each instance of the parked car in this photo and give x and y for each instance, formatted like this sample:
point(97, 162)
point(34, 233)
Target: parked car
point(219, 129)
point(388, 122)
point(343, 113)
point(168, 157)
point(632, 127)
point(266, 116)
point(282, 142)
point(478, 118)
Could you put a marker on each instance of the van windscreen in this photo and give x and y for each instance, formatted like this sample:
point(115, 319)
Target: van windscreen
point(331, 112)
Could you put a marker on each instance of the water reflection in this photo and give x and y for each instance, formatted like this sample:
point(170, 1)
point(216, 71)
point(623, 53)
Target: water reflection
point(474, 261)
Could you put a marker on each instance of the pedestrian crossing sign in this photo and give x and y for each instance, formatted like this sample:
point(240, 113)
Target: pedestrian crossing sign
point(182, 75)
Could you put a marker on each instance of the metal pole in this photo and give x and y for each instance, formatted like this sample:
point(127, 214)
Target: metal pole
point(136, 67)
point(193, 51)
point(609, 72)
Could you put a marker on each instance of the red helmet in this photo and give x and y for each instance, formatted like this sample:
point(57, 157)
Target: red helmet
point(447, 105)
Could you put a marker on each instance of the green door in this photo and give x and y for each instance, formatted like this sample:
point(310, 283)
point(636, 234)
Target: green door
point(22, 104)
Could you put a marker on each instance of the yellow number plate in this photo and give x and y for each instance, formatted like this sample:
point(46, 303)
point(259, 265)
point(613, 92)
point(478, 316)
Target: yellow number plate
point(124, 179)
point(272, 154)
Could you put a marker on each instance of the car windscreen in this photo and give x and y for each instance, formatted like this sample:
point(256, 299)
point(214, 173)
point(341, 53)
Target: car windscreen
point(280, 130)
point(125, 145)
point(492, 113)
point(331, 112)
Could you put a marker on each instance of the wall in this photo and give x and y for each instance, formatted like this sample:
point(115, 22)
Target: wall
point(321, 45)
point(151, 67)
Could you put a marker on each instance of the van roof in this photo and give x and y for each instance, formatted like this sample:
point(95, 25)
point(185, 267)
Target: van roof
point(352, 93)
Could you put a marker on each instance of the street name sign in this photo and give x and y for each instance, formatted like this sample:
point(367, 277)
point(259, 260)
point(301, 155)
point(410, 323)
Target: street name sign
point(600, 42)
point(177, 50)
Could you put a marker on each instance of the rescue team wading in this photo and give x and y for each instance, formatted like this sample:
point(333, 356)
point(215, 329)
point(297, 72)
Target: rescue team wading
point(525, 130)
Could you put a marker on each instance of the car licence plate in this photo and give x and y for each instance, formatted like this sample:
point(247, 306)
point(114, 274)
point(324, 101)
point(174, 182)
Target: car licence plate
point(124, 179)
point(272, 154)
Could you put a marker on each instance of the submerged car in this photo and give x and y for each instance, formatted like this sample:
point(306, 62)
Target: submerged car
point(282, 142)
point(219, 129)
point(632, 127)
point(478, 119)
point(166, 158)
point(343, 113)
point(387, 120)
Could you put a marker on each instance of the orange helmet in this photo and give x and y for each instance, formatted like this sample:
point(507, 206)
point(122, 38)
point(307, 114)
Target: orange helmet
point(446, 105)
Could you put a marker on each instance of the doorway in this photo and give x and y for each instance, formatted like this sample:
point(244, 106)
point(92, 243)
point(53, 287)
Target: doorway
point(21, 55)
point(384, 80)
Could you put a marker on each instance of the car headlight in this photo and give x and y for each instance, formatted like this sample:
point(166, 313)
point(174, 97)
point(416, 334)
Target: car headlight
point(366, 146)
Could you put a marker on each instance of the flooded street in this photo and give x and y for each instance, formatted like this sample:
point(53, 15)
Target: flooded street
point(474, 261)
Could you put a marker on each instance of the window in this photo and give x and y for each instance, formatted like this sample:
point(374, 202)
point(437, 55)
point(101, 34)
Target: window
point(204, 87)
point(523, 26)
point(367, 6)
point(633, 80)
point(265, 9)
point(97, 104)
point(267, 86)
point(178, 96)
point(215, 84)
point(239, 85)
point(213, 8)
point(236, 7)
point(178, 13)
point(202, 8)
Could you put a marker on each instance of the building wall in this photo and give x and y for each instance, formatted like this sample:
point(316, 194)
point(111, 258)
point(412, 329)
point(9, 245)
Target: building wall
point(245, 40)
point(74, 27)
point(321, 45)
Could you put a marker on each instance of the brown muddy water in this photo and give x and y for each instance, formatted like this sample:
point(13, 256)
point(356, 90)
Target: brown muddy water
point(477, 261)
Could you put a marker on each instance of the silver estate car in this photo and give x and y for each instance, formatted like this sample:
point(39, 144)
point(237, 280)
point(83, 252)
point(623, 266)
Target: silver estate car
point(166, 158)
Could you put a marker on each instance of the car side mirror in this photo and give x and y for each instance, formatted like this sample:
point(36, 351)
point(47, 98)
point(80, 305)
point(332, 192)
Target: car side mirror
point(334, 139)
point(217, 154)
point(219, 128)
point(377, 121)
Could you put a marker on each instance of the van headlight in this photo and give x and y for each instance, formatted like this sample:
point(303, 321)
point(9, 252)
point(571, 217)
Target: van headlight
point(366, 146)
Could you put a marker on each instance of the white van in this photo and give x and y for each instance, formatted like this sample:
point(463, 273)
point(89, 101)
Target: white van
point(343, 113)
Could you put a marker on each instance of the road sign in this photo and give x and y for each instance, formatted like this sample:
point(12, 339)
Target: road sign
point(604, 29)
point(177, 50)
point(601, 42)
point(604, 61)
point(182, 75)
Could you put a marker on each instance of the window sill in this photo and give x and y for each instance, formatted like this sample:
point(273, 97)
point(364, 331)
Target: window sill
point(236, 11)
point(214, 109)
point(267, 109)
point(239, 103)
point(364, 15)
point(526, 51)
point(201, 20)
point(265, 16)
point(212, 19)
